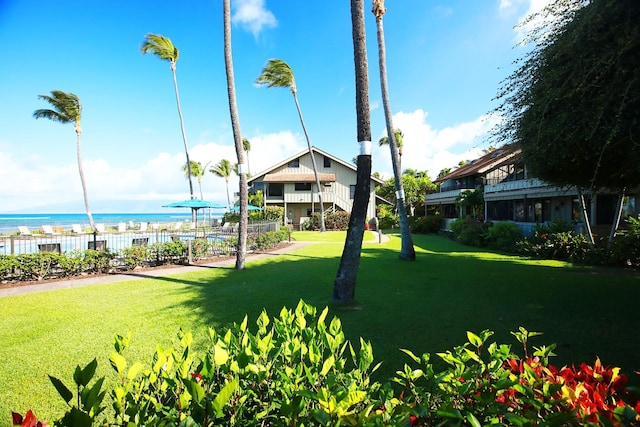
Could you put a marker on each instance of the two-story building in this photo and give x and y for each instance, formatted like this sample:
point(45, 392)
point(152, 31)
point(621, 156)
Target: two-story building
point(512, 194)
point(291, 184)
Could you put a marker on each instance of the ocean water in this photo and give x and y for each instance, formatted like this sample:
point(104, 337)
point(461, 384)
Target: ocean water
point(9, 222)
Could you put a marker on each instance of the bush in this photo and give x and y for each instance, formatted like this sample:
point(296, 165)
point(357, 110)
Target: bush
point(386, 218)
point(503, 236)
point(332, 221)
point(425, 224)
point(625, 250)
point(135, 256)
point(564, 246)
point(298, 369)
point(469, 231)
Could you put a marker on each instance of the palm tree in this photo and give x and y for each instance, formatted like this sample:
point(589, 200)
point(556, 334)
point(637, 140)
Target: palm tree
point(278, 73)
point(407, 250)
point(246, 146)
point(223, 169)
point(66, 108)
point(237, 139)
point(397, 133)
point(164, 49)
point(197, 171)
point(344, 285)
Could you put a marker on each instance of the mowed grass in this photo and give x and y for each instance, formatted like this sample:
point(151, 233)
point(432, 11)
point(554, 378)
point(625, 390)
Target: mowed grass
point(426, 306)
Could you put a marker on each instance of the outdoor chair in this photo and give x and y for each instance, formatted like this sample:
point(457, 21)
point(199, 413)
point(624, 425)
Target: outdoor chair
point(50, 247)
point(176, 226)
point(47, 229)
point(98, 245)
point(140, 241)
point(122, 227)
point(100, 228)
point(76, 228)
point(143, 226)
point(24, 230)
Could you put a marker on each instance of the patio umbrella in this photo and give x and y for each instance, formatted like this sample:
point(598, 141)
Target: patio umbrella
point(249, 207)
point(195, 204)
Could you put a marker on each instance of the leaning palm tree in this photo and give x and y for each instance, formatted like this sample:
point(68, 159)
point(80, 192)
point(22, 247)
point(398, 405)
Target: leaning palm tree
point(66, 108)
point(278, 73)
point(237, 139)
point(344, 285)
point(246, 146)
point(223, 169)
point(407, 250)
point(164, 49)
point(197, 171)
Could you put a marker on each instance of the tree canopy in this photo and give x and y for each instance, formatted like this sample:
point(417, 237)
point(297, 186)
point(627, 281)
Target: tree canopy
point(573, 105)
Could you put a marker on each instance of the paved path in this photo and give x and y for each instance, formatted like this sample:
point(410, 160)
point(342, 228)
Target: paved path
point(154, 272)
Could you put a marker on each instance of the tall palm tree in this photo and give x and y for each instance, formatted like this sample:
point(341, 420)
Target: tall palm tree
point(278, 73)
point(223, 169)
point(407, 250)
point(344, 285)
point(246, 146)
point(67, 108)
point(163, 48)
point(197, 171)
point(237, 139)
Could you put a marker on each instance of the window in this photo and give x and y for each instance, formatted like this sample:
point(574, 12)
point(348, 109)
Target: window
point(276, 189)
point(327, 162)
point(295, 163)
point(352, 191)
point(303, 186)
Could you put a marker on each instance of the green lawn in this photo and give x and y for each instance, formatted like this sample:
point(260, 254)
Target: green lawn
point(425, 305)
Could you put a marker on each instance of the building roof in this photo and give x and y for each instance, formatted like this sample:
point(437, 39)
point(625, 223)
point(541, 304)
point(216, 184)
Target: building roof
point(299, 177)
point(483, 164)
point(265, 173)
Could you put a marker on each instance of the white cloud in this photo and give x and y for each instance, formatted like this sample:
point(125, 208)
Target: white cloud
point(252, 15)
point(426, 148)
point(42, 187)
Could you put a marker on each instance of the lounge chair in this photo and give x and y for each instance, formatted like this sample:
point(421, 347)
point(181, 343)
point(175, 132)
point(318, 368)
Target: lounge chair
point(143, 226)
point(131, 225)
point(122, 227)
point(50, 247)
point(47, 229)
point(100, 228)
point(177, 226)
point(140, 241)
point(155, 226)
point(24, 230)
point(77, 228)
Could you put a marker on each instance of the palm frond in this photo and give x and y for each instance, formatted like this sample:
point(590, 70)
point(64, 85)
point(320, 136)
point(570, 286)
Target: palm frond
point(66, 107)
point(160, 46)
point(276, 73)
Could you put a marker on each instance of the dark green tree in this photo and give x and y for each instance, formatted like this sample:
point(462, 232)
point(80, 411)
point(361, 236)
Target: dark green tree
point(573, 105)
point(344, 285)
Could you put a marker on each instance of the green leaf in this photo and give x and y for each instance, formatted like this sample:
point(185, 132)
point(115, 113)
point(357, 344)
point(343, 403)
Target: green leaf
point(88, 372)
point(224, 396)
point(327, 365)
point(473, 420)
point(474, 339)
point(411, 355)
point(220, 355)
point(118, 362)
point(450, 413)
point(134, 370)
point(62, 389)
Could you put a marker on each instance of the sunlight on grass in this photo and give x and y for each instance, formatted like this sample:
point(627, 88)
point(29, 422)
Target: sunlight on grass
point(327, 237)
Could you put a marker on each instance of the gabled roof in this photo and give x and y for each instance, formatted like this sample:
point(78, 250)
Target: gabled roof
point(483, 164)
point(327, 178)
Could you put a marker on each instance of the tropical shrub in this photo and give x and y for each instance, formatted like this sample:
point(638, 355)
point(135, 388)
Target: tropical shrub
point(298, 369)
point(469, 231)
point(625, 249)
point(386, 218)
point(425, 224)
point(565, 245)
point(135, 256)
point(503, 236)
point(338, 220)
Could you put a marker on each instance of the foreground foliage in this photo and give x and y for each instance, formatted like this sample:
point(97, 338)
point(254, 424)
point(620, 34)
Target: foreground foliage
point(298, 369)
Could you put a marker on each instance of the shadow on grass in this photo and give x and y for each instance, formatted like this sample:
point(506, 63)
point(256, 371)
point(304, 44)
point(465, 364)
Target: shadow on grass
point(428, 305)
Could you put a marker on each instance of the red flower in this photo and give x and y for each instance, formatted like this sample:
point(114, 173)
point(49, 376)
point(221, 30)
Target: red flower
point(197, 377)
point(29, 420)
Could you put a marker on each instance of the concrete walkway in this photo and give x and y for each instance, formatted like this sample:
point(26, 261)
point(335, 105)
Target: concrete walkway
point(172, 270)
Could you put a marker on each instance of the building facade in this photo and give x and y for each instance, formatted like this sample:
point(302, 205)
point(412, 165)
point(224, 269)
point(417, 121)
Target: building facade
point(291, 184)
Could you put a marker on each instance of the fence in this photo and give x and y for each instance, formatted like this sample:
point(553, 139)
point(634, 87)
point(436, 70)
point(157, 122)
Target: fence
point(116, 242)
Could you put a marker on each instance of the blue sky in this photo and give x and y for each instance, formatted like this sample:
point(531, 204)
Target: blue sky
point(445, 61)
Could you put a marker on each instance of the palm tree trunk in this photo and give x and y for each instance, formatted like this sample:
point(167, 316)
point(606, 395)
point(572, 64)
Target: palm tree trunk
point(616, 219)
point(407, 250)
point(344, 285)
point(585, 218)
point(313, 162)
point(237, 136)
point(82, 181)
point(184, 134)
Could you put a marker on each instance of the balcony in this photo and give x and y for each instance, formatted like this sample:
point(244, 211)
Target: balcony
point(443, 197)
